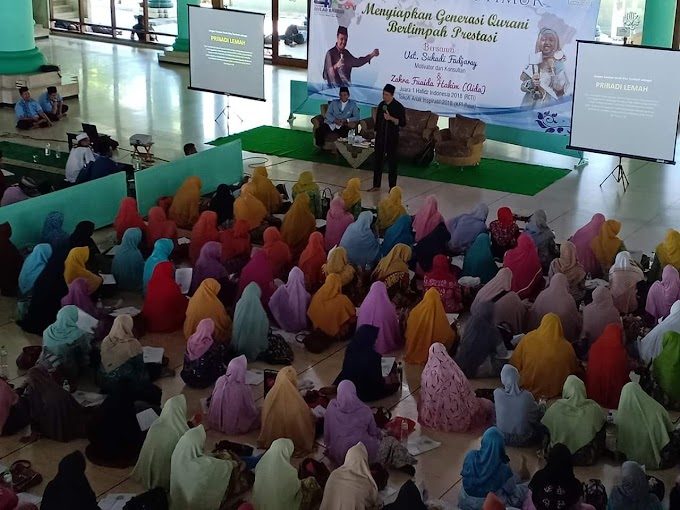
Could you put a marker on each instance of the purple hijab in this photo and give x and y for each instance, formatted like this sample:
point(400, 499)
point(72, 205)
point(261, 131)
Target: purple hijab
point(202, 340)
point(79, 296)
point(208, 265)
point(232, 410)
point(663, 294)
point(289, 303)
point(582, 239)
point(465, 228)
point(377, 310)
point(348, 421)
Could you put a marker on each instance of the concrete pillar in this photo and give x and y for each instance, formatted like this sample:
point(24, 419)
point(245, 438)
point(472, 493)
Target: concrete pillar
point(18, 53)
point(182, 41)
point(657, 29)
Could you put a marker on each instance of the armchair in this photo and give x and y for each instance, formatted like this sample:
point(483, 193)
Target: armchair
point(420, 128)
point(317, 122)
point(462, 143)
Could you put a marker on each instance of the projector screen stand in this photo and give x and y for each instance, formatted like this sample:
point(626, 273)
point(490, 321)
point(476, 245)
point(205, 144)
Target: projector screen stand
point(620, 175)
point(226, 111)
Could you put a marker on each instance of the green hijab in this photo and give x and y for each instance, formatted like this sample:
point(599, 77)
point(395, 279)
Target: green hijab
point(128, 263)
point(479, 260)
point(197, 480)
point(574, 420)
point(153, 467)
point(644, 426)
point(277, 486)
point(666, 367)
point(250, 334)
point(64, 333)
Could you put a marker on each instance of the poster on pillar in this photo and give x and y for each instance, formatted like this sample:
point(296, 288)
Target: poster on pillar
point(508, 62)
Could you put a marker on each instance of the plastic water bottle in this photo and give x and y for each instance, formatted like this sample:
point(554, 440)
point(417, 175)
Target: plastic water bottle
point(404, 431)
point(3, 362)
point(48, 149)
point(400, 372)
point(57, 153)
point(7, 477)
point(66, 385)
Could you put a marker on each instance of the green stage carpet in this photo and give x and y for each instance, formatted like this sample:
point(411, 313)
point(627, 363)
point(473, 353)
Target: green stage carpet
point(492, 174)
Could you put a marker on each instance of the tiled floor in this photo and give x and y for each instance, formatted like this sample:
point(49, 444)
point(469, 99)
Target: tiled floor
point(124, 91)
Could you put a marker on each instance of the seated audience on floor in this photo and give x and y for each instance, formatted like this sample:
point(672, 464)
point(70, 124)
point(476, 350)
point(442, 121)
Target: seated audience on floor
point(184, 210)
point(338, 264)
point(433, 244)
point(352, 197)
point(205, 304)
point(568, 264)
point(128, 217)
point(518, 415)
point(465, 228)
point(427, 218)
point(162, 249)
point(624, 277)
point(29, 114)
point(250, 335)
point(544, 239)
point(390, 209)
point(31, 269)
point(75, 266)
point(608, 368)
point(598, 315)
point(504, 232)
point(159, 227)
point(633, 491)
point(277, 251)
point(337, 221)
point(556, 299)
point(209, 265)
point(330, 311)
point(66, 347)
point(298, 225)
point(23, 190)
point(393, 271)
point(52, 104)
point(340, 113)
point(222, 204)
point(265, 191)
point(443, 277)
point(667, 253)
point(651, 345)
point(10, 261)
point(204, 231)
point(79, 157)
point(606, 245)
point(479, 261)
point(427, 325)
point(277, 486)
point(509, 309)
point(122, 360)
point(164, 306)
point(70, 487)
point(662, 294)
point(128, 262)
point(527, 271)
point(582, 239)
point(377, 310)
point(666, 372)
point(258, 270)
point(312, 260)
point(204, 358)
point(289, 303)
point(481, 352)
point(306, 184)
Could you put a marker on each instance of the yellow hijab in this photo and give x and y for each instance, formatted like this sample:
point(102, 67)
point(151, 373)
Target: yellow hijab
point(265, 191)
point(337, 263)
point(305, 183)
point(298, 225)
point(426, 325)
point(74, 267)
point(352, 194)
point(184, 209)
point(606, 245)
point(206, 305)
point(669, 251)
point(396, 261)
point(390, 208)
point(248, 208)
point(330, 308)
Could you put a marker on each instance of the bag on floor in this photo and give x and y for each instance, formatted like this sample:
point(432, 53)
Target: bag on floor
point(326, 197)
point(155, 499)
point(278, 352)
point(314, 469)
point(23, 477)
point(316, 341)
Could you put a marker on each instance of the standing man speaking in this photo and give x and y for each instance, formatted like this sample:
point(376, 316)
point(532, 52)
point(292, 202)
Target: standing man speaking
point(388, 119)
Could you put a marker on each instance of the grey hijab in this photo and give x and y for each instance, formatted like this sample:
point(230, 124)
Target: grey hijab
point(480, 338)
point(633, 493)
point(538, 227)
point(516, 409)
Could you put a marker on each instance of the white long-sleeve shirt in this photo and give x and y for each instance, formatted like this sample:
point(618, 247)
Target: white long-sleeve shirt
point(78, 158)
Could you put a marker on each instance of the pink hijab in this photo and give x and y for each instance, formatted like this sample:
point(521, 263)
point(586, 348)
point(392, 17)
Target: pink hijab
point(337, 221)
point(232, 409)
point(599, 314)
point(202, 340)
point(663, 294)
point(259, 270)
point(582, 239)
point(289, 303)
point(557, 299)
point(79, 295)
point(447, 402)
point(525, 265)
point(7, 399)
point(427, 218)
point(377, 310)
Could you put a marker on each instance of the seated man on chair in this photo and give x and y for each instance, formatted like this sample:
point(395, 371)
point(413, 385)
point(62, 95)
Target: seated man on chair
point(53, 104)
point(340, 113)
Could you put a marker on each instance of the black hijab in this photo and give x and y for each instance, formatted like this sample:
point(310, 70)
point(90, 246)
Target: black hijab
point(222, 203)
point(70, 488)
point(555, 486)
point(409, 498)
point(82, 236)
point(433, 244)
point(10, 262)
point(480, 338)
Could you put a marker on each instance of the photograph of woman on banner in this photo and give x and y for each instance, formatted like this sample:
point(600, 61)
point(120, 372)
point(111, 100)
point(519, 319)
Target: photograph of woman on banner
point(339, 62)
point(544, 80)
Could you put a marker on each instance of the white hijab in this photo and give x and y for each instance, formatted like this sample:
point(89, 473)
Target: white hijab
point(652, 345)
point(623, 263)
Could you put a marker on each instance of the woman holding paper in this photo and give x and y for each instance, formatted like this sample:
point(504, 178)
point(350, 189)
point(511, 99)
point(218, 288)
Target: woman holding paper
point(65, 346)
point(122, 357)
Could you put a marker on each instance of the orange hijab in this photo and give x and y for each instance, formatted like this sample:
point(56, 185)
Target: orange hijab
point(184, 209)
point(427, 324)
point(265, 191)
point(606, 245)
point(204, 231)
point(247, 207)
point(298, 224)
point(74, 267)
point(206, 305)
point(330, 309)
point(313, 259)
point(277, 251)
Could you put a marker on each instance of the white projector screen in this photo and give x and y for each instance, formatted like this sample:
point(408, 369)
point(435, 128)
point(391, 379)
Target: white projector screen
point(626, 101)
point(226, 52)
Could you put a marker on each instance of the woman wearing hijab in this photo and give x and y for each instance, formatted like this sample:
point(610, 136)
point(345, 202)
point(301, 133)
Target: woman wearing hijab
point(53, 232)
point(82, 236)
point(447, 402)
point(667, 254)
point(153, 467)
point(10, 261)
point(598, 314)
point(236, 246)
point(509, 307)
point(377, 310)
point(352, 197)
point(289, 303)
point(666, 370)
point(518, 416)
point(568, 265)
point(250, 335)
point(277, 251)
point(78, 296)
point(351, 486)
point(466, 227)
point(128, 217)
point(427, 325)
point(399, 233)
point(298, 225)
point(362, 366)
point(330, 310)
point(164, 304)
point(70, 488)
point(487, 470)
point(608, 367)
point(258, 270)
point(248, 208)
point(652, 344)
point(624, 277)
point(30, 271)
point(204, 231)
point(338, 264)
point(159, 227)
point(527, 272)
point(203, 358)
point(222, 204)
point(433, 244)
point(409, 498)
point(65, 346)
point(75, 267)
point(122, 357)
point(543, 237)
point(390, 208)
point(504, 232)
point(645, 430)
point(128, 263)
point(277, 486)
point(633, 492)
point(161, 253)
point(206, 305)
point(265, 191)
point(544, 359)
point(312, 261)
point(209, 265)
point(479, 260)
point(286, 414)
point(305, 184)
point(556, 299)
point(232, 409)
point(198, 480)
point(481, 352)
point(582, 239)
point(577, 423)
point(393, 270)
point(427, 218)
point(360, 242)
point(184, 210)
point(443, 279)
point(606, 244)
point(337, 221)
point(555, 486)
point(662, 294)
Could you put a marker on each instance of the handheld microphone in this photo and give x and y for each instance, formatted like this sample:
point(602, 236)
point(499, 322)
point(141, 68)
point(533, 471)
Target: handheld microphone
point(385, 108)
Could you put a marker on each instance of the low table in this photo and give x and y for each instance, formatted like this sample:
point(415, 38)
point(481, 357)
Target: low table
point(355, 155)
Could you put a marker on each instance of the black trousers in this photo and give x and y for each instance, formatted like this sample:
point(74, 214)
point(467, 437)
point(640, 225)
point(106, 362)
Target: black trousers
point(385, 150)
point(53, 117)
point(325, 130)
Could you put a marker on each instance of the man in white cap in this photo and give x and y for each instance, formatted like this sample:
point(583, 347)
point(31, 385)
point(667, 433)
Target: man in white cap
point(79, 157)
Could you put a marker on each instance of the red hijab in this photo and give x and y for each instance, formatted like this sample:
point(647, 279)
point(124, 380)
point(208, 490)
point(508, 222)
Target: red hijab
point(258, 270)
point(312, 260)
point(527, 273)
point(128, 217)
point(505, 216)
point(608, 367)
point(164, 305)
point(277, 251)
point(204, 231)
point(236, 241)
point(441, 269)
point(159, 227)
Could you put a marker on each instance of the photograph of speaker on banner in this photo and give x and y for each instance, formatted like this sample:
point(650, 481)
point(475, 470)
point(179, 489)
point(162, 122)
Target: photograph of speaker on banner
point(339, 62)
point(544, 81)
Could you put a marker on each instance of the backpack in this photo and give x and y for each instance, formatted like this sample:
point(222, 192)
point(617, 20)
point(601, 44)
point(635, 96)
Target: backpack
point(595, 494)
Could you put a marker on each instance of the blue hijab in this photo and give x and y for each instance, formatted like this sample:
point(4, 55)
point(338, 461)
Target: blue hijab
point(465, 228)
point(161, 253)
point(486, 470)
point(479, 260)
point(53, 232)
point(251, 326)
point(399, 232)
point(33, 266)
point(128, 263)
point(360, 241)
